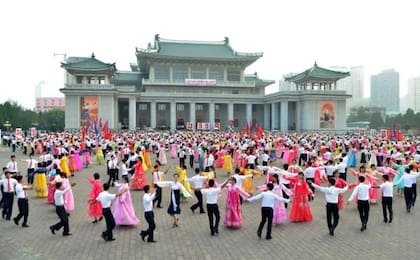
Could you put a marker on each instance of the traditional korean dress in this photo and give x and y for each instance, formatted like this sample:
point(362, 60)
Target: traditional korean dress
point(51, 186)
point(175, 200)
point(227, 163)
point(40, 183)
point(68, 196)
point(233, 211)
point(64, 165)
point(301, 211)
point(138, 180)
point(123, 209)
point(162, 156)
point(340, 183)
point(174, 148)
point(100, 156)
point(95, 207)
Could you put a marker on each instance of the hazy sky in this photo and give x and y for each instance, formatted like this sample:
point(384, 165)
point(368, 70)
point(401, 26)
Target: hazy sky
point(292, 34)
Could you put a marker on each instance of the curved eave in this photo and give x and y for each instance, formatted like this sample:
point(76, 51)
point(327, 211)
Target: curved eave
point(246, 59)
point(87, 71)
point(297, 79)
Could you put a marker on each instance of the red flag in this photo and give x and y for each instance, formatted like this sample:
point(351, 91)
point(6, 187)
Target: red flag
point(84, 132)
point(260, 132)
point(105, 130)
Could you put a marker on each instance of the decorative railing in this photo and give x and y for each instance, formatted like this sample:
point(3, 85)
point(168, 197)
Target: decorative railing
point(183, 83)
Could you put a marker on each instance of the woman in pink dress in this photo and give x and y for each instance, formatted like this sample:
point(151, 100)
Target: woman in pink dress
point(162, 155)
point(174, 153)
point(95, 207)
point(72, 163)
point(233, 217)
point(79, 164)
point(220, 157)
point(139, 179)
point(68, 196)
point(123, 210)
point(51, 184)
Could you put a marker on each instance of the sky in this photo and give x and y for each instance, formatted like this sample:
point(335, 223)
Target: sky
point(293, 34)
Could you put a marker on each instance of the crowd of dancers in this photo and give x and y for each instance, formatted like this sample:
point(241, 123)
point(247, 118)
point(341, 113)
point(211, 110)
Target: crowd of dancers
point(292, 167)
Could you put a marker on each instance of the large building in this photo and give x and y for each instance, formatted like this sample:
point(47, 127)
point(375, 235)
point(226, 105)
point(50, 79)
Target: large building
point(44, 104)
point(385, 91)
point(197, 85)
point(413, 95)
point(353, 85)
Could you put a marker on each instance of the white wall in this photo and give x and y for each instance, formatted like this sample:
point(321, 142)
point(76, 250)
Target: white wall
point(107, 110)
point(72, 115)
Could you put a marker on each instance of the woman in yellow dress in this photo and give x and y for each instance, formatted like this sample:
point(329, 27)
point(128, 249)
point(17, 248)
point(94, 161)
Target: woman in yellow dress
point(64, 165)
point(227, 163)
point(99, 155)
point(147, 160)
point(40, 183)
point(182, 172)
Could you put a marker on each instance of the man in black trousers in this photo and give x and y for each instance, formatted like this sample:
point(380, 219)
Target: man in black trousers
point(9, 185)
point(106, 198)
point(59, 209)
point(362, 193)
point(267, 205)
point(22, 202)
point(331, 197)
point(212, 194)
point(148, 214)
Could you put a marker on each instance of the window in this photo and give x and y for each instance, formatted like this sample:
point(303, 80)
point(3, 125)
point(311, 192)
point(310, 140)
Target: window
point(142, 106)
point(101, 80)
point(199, 107)
point(198, 73)
point(180, 107)
point(94, 81)
point(161, 107)
point(162, 73)
point(216, 107)
point(234, 75)
point(180, 73)
point(217, 74)
point(79, 79)
point(235, 92)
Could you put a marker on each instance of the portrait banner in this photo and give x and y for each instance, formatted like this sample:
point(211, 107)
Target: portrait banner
point(89, 107)
point(327, 115)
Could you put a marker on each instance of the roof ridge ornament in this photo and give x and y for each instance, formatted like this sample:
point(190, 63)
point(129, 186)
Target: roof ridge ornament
point(226, 40)
point(93, 55)
point(315, 65)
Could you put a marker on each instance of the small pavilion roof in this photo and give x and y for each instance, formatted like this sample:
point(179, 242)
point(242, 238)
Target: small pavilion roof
point(87, 64)
point(317, 73)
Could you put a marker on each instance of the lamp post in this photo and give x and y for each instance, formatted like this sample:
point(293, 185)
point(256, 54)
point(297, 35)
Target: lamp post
point(7, 125)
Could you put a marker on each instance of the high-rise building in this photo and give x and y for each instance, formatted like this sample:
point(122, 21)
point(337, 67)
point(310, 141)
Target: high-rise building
point(44, 104)
point(413, 95)
point(353, 85)
point(385, 91)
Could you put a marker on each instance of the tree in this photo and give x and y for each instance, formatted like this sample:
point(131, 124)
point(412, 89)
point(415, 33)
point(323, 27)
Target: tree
point(52, 120)
point(376, 121)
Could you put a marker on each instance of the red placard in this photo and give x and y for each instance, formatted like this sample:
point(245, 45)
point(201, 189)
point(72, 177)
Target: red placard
point(189, 126)
point(217, 126)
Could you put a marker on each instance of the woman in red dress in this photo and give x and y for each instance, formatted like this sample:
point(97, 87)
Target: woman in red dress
point(300, 211)
point(339, 183)
point(139, 179)
point(95, 207)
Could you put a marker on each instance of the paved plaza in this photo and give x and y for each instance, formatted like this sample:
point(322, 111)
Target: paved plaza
point(192, 240)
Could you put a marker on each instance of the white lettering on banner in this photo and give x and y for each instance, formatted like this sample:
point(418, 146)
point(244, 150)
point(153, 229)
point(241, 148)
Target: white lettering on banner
point(200, 82)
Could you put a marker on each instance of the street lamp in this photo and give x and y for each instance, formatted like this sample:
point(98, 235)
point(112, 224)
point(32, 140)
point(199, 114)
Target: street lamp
point(7, 125)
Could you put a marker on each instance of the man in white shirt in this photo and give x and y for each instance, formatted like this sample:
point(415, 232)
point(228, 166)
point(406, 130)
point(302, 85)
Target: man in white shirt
point(113, 169)
point(267, 206)
point(331, 197)
point(408, 179)
point(59, 209)
point(106, 198)
point(22, 202)
point(156, 177)
point(148, 198)
point(32, 165)
point(213, 213)
point(387, 188)
point(9, 185)
point(197, 184)
point(362, 193)
point(12, 166)
point(251, 158)
point(342, 169)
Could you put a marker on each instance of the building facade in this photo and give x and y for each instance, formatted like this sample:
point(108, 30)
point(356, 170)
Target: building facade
point(195, 85)
point(413, 95)
point(353, 85)
point(385, 91)
point(44, 104)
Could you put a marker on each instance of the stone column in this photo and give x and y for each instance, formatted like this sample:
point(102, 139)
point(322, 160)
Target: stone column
point(132, 113)
point(192, 114)
point(172, 116)
point(267, 116)
point(248, 113)
point(284, 116)
point(211, 115)
point(230, 111)
point(298, 116)
point(153, 114)
point(274, 116)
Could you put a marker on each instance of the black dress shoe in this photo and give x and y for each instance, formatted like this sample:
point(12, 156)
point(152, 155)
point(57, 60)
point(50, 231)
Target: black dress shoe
point(25, 226)
point(16, 221)
point(386, 220)
point(110, 239)
point(52, 230)
point(331, 232)
point(143, 235)
point(268, 238)
point(159, 207)
point(390, 220)
point(151, 241)
point(100, 219)
point(103, 236)
point(259, 234)
point(67, 234)
point(202, 212)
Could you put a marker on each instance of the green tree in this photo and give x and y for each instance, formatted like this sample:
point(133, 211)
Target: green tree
point(376, 120)
point(52, 120)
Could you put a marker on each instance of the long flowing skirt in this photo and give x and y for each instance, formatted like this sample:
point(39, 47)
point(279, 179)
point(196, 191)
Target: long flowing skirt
point(69, 201)
point(124, 213)
point(95, 209)
point(138, 181)
point(233, 217)
point(352, 160)
point(280, 214)
point(79, 163)
point(162, 157)
point(373, 192)
point(301, 210)
point(40, 185)
point(227, 164)
point(51, 190)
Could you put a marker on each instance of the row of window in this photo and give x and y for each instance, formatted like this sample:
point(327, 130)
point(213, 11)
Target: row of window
point(90, 80)
point(179, 74)
point(179, 107)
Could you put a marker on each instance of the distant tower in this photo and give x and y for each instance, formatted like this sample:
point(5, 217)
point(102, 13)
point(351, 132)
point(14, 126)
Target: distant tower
point(38, 89)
